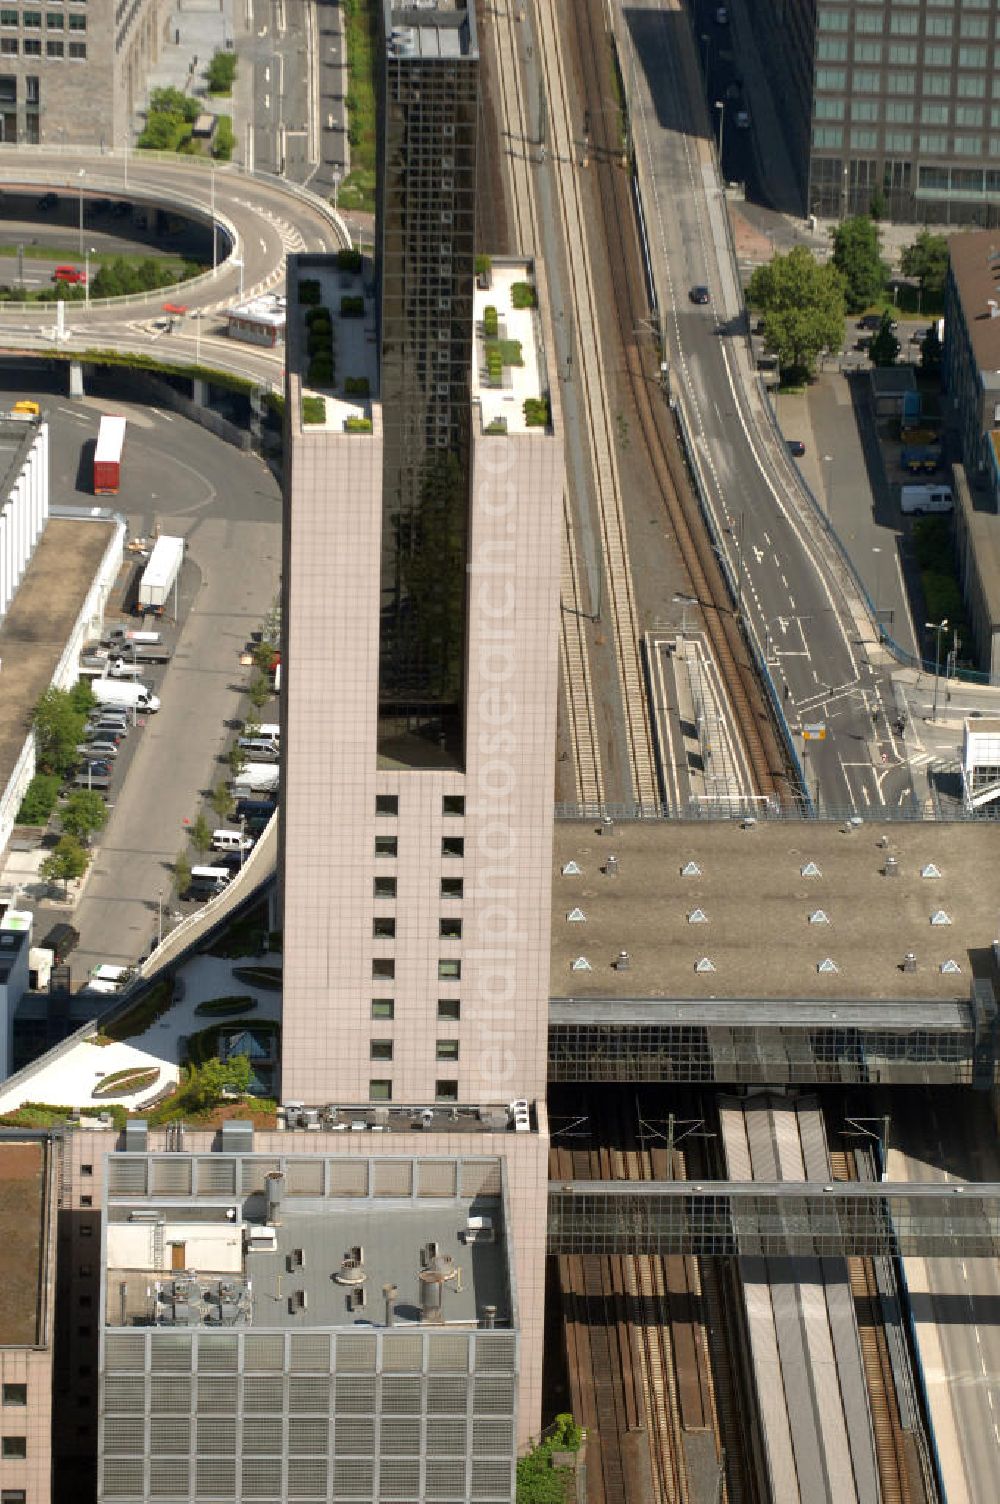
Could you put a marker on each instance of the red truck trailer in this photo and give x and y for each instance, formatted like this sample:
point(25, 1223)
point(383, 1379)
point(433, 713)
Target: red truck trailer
point(108, 456)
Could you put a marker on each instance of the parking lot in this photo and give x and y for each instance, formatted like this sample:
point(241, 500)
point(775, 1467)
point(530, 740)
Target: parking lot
point(178, 479)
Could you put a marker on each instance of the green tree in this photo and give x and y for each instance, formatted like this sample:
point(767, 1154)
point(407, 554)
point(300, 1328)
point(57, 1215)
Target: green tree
point(58, 726)
point(260, 691)
point(162, 132)
point(84, 814)
point(39, 799)
point(237, 760)
point(930, 350)
point(802, 304)
point(201, 834)
point(67, 861)
point(857, 255)
point(221, 72)
point(262, 654)
point(224, 140)
point(174, 102)
point(927, 260)
point(208, 1082)
point(81, 697)
point(182, 872)
point(885, 347)
point(222, 801)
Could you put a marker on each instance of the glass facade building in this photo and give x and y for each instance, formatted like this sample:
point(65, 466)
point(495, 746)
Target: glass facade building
point(896, 104)
point(425, 265)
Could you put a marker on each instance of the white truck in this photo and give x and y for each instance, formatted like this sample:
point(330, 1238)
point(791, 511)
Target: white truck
point(160, 574)
point(137, 697)
point(255, 778)
point(915, 500)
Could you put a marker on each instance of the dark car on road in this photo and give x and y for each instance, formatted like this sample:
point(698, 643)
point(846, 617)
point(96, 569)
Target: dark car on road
point(873, 321)
point(796, 448)
point(61, 939)
point(700, 295)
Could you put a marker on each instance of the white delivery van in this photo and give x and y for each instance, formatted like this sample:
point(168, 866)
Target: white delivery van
point(107, 978)
point(270, 731)
point(916, 500)
point(209, 879)
point(256, 777)
point(122, 695)
point(259, 748)
point(230, 840)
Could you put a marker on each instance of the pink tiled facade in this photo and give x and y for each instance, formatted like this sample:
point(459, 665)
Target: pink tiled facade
point(495, 1050)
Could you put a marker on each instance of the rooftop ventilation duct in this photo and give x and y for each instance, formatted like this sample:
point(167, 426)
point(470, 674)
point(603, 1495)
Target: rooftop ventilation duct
point(274, 1193)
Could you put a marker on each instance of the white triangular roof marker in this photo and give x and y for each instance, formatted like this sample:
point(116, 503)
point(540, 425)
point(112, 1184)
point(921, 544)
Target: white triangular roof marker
point(827, 965)
point(690, 869)
point(576, 916)
point(819, 916)
point(948, 968)
point(810, 870)
point(930, 870)
point(581, 964)
point(697, 916)
point(704, 964)
point(940, 917)
point(571, 869)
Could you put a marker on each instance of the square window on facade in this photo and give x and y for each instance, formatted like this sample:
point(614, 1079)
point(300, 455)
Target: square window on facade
point(452, 887)
point(386, 845)
point(14, 1446)
point(15, 1394)
point(450, 929)
point(447, 1049)
point(449, 970)
point(381, 1049)
point(86, 1200)
point(446, 1091)
point(17, 1495)
point(86, 1169)
point(384, 887)
point(383, 928)
point(452, 846)
point(55, 20)
point(453, 804)
point(32, 47)
point(387, 804)
point(8, 46)
point(383, 1007)
point(380, 1090)
point(86, 1231)
point(450, 1009)
point(78, 51)
point(32, 19)
point(54, 49)
point(383, 968)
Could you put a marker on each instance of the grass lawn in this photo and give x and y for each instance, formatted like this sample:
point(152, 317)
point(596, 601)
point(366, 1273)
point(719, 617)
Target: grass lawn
point(97, 258)
point(357, 191)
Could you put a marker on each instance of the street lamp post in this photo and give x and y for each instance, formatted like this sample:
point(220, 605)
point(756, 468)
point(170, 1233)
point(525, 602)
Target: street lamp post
point(81, 175)
point(215, 257)
point(720, 105)
point(159, 918)
point(878, 560)
point(936, 627)
point(90, 251)
point(238, 261)
point(336, 189)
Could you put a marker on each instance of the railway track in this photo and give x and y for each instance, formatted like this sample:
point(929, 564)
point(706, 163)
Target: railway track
point(641, 365)
point(561, 150)
point(635, 1343)
point(890, 1440)
point(574, 657)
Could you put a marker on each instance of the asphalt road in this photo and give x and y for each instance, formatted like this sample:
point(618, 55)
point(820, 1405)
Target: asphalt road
point(955, 1302)
point(786, 581)
point(227, 505)
point(266, 219)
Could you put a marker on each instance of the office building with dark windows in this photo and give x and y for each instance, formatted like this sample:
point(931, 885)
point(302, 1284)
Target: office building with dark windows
point(889, 104)
point(428, 113)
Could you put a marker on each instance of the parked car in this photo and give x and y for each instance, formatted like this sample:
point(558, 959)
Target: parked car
point(873, 321)
point(47, 201)
point(700, 295)
point(99, 769)
point(61, 939)
point(99, 747)
point(72, 275)
point(743, 120)
point(796, 448)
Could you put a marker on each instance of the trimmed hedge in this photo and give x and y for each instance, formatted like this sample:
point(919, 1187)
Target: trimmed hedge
point(491, 322)
point(349, 260)
point(126, 1083)
point(356, 386)
point(224, 1007)
point(352, 306)
point(266, 977)
point(358, 425)
point(313, 410)
point(523, 295)
point(536, 412)
point(309, 292)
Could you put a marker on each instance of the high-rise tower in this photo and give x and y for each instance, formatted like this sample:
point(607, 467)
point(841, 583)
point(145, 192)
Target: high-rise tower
point(428, 112)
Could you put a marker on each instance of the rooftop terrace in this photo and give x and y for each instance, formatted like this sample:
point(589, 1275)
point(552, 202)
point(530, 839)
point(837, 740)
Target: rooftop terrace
point(508, 362)
point(23, 1241)
point(430, 28)
point(783, 909)
point(339, 367)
